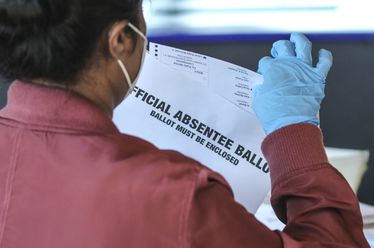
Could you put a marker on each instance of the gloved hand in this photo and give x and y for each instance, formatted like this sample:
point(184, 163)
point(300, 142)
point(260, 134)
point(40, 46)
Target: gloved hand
point(293, 89)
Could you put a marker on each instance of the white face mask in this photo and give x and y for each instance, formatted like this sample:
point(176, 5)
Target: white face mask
point(122, 66)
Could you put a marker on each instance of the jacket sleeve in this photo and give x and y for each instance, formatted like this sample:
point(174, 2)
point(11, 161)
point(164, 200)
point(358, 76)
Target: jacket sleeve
point(308, 195)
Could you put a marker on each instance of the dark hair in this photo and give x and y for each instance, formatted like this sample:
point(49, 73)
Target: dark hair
point(55, 39)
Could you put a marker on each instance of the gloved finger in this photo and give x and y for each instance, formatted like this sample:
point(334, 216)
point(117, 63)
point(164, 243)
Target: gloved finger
point(263, 64)
point(325, 61)
point(303, 47)
point(283, 48)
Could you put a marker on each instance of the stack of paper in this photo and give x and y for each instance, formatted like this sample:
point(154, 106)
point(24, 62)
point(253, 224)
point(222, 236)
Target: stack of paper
point(351, 163)
point(201, 107)
point(367, 212)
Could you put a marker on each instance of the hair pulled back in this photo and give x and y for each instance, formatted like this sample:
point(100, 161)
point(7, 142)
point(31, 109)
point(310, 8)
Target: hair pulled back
point(55, 39)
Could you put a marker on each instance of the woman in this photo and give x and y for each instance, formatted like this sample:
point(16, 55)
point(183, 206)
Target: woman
point(68, 178)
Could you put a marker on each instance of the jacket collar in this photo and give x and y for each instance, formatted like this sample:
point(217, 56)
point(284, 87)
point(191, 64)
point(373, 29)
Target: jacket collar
point(49, 107)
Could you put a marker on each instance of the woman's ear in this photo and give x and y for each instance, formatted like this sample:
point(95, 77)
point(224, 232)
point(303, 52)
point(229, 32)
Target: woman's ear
point(120, 43)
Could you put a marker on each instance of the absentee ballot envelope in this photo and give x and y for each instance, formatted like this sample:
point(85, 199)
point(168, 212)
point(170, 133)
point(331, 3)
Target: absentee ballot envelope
point(172, 111)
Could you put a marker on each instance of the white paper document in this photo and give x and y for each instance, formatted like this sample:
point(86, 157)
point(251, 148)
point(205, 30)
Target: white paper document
point(228, 80)
point(175, 107)
point(367, 212)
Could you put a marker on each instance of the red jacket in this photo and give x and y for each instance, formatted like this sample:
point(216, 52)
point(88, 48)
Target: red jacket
point(69, 179)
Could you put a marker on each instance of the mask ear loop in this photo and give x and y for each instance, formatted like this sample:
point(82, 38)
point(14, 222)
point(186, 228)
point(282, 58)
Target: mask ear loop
point(127, 76)
point(138, 31)
point(122, 66)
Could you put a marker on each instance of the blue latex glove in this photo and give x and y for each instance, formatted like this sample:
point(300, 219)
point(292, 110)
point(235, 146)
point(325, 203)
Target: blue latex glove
point(293, 89)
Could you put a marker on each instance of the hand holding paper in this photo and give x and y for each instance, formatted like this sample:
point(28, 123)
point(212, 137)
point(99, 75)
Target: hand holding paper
point(293, 89)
